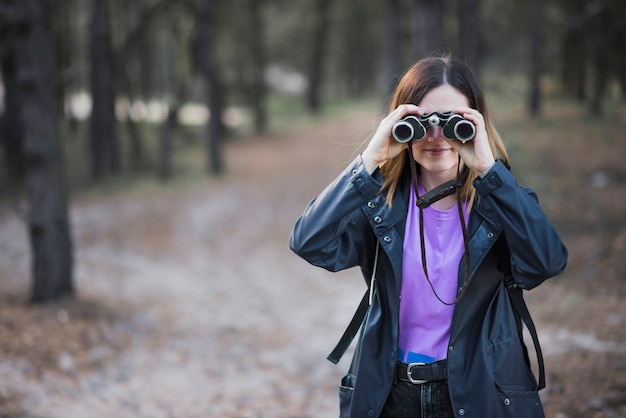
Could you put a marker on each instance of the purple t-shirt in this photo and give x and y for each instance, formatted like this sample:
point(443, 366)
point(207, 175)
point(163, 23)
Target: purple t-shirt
point(424, 321)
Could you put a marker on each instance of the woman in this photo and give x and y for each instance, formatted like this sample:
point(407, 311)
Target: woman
point(440, 338)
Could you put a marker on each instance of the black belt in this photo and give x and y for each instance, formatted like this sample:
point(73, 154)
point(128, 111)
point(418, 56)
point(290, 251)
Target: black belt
point(418, 373)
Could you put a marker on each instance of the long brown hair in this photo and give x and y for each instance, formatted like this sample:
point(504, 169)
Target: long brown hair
point(421, 78)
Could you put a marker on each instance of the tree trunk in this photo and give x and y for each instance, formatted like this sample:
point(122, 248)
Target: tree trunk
point(621, 69)
point(164, 165)
point(321, 18)
point(257, 50)
point(618, 43)
point(574, 47)
point(357, 51)
point(12, 129)
point(581, 69)
point(429, 37)
point(205, 58)
point(470, 33)
point(168, 128)
point(103, 139)
point(49, 225)
point(573, 62)
point(601, 63)
point(536, 20)
point(137, 51)
point(393, 50)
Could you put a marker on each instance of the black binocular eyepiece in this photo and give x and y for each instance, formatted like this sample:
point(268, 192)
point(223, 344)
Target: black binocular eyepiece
point(413, 128)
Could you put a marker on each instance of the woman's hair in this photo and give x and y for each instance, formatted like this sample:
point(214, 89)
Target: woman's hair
point(420, 79)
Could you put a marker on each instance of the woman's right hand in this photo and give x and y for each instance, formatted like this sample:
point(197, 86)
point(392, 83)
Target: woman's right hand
point(383, 146)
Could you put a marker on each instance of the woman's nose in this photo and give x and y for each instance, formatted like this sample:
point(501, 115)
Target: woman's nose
point(435, 133)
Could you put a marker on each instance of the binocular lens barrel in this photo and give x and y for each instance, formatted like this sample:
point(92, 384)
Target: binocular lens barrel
point(403, 131)
point(464, 130)
point(408, 129)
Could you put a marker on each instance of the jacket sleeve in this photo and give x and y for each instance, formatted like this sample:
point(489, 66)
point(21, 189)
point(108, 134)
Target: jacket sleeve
point(332, 231)
point(537, 251)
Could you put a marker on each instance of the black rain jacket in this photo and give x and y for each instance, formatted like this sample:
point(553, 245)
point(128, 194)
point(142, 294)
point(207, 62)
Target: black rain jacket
point(488, 375)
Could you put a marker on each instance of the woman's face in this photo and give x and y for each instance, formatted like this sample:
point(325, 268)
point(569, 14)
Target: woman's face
point(433, 153)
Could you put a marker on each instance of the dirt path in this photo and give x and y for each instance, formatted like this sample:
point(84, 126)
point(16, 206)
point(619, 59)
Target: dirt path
point(217, 317)
point(193, 305)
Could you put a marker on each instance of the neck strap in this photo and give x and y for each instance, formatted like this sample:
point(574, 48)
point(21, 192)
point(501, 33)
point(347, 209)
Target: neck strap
point(428, 199)
point(438, 193)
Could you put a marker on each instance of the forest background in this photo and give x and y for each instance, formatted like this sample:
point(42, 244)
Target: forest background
point(109, 101)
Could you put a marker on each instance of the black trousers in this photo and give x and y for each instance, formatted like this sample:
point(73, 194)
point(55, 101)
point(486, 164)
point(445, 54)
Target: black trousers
point(428, 400)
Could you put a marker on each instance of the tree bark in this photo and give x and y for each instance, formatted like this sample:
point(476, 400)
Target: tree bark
point(470, 34)
point(12, 129)
point(429, 37)
point(537, 24)
point(48, 219)
point(581, 69)
point(137, 50)
point(359, 47)
point(393, 50)
point(164, 165)
point(573, 62)
point(257, 50)
point(321, 18)
point(601, 62)
point(205, 59)
point(102, 127)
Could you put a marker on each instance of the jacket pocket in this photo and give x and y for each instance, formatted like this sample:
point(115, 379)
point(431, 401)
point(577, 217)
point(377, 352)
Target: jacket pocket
point(346, 389)
point(508, 363)
point(518, 403)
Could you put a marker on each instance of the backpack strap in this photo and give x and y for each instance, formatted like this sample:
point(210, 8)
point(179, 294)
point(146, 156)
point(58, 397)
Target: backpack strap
point(351, 330)
point(521, 312)
point(358, 318)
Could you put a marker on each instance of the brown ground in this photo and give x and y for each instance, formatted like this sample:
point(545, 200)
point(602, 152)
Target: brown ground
point(190, 303)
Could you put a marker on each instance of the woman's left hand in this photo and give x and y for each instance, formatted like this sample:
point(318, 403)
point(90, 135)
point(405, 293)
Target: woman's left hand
point(476, 153)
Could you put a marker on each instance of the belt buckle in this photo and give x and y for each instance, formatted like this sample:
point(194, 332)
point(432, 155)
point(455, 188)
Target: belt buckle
point(410, 377)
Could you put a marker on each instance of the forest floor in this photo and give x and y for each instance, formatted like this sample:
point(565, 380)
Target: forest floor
point(190, 303)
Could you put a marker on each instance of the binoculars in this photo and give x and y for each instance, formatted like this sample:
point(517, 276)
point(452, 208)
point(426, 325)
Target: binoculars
point(414, 127)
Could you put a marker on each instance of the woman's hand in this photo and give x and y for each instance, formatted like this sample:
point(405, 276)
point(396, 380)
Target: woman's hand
point(476, 153)
point(383, 146)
